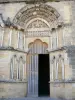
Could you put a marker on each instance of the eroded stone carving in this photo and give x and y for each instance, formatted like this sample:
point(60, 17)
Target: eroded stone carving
point(31, 11)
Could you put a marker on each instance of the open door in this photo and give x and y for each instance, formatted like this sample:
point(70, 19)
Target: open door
point(43, 75)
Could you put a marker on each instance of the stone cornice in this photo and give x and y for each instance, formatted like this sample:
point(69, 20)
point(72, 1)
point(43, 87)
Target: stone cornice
point(30, 1)
point(12, 81)
point(63, 81)
point(57, 49)
point(70, 48)
point(12, 49)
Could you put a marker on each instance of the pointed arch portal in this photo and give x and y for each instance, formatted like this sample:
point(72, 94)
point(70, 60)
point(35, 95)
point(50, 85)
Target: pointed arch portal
point(34, 61)
point(38, 21)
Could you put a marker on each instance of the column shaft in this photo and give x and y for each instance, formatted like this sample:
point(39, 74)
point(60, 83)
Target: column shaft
point(2, 38)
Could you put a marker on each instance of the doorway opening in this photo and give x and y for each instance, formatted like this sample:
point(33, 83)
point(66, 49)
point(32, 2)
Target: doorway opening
point(37, 47)
point(43, 75)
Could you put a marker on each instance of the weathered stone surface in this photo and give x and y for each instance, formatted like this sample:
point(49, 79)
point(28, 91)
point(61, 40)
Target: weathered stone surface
point(14, 89)
point(22, 15)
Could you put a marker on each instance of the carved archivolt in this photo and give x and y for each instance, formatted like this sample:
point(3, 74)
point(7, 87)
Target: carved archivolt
point(30, 12)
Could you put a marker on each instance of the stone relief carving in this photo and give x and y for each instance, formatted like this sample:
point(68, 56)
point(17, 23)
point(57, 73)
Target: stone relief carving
point(38, 24)
point(37, 28)
point(31, 11)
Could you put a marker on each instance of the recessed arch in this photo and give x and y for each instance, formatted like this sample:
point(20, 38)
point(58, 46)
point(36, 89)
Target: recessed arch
point(26, 16)
point(28, 13)
point(36, 47)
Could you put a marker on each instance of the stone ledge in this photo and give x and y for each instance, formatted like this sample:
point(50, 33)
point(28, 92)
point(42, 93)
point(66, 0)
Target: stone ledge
point(29, 1)
point(57, 49)
point(68, 48)
point(13, 81)
point(63, 81)
point(12, 49)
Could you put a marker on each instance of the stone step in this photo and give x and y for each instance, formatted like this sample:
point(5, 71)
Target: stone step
point(29, 98)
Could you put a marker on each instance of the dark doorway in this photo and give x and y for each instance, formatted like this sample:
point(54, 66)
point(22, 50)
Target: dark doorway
point(43, 75)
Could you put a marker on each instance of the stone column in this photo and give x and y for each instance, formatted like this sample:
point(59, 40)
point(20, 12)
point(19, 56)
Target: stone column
point(10, 36)
point(56, 77)
point(25, 69)
point(11, 73)
point(62, 68)
point(51, 68)
point(57, 70)
point(2, 36)
point(56, 30)
point(18, 39)
point(50, 43)
point(13, 68)
point(24, 42)
point(17, 67)
point(63, 43)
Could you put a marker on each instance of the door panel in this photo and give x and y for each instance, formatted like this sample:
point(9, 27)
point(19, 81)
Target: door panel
point(33, 76)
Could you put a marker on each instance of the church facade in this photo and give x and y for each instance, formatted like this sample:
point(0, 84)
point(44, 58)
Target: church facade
point(37, 49)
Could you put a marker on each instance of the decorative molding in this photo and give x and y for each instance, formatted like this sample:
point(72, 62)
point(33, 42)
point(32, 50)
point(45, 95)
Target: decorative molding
point(43, 11)
point(13, 81)
point(62, 81)
point(12, 49)
point(31, 1)
point(57, 49)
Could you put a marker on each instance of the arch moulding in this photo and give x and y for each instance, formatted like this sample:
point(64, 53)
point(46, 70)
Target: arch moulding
point(42, 12)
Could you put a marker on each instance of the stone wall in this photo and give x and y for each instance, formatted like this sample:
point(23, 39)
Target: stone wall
point(67, 70)
point(5, 59)
point(63, 8)
point(10, 89)
point(16, 88)
point(4, 65)
point(63, 90)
